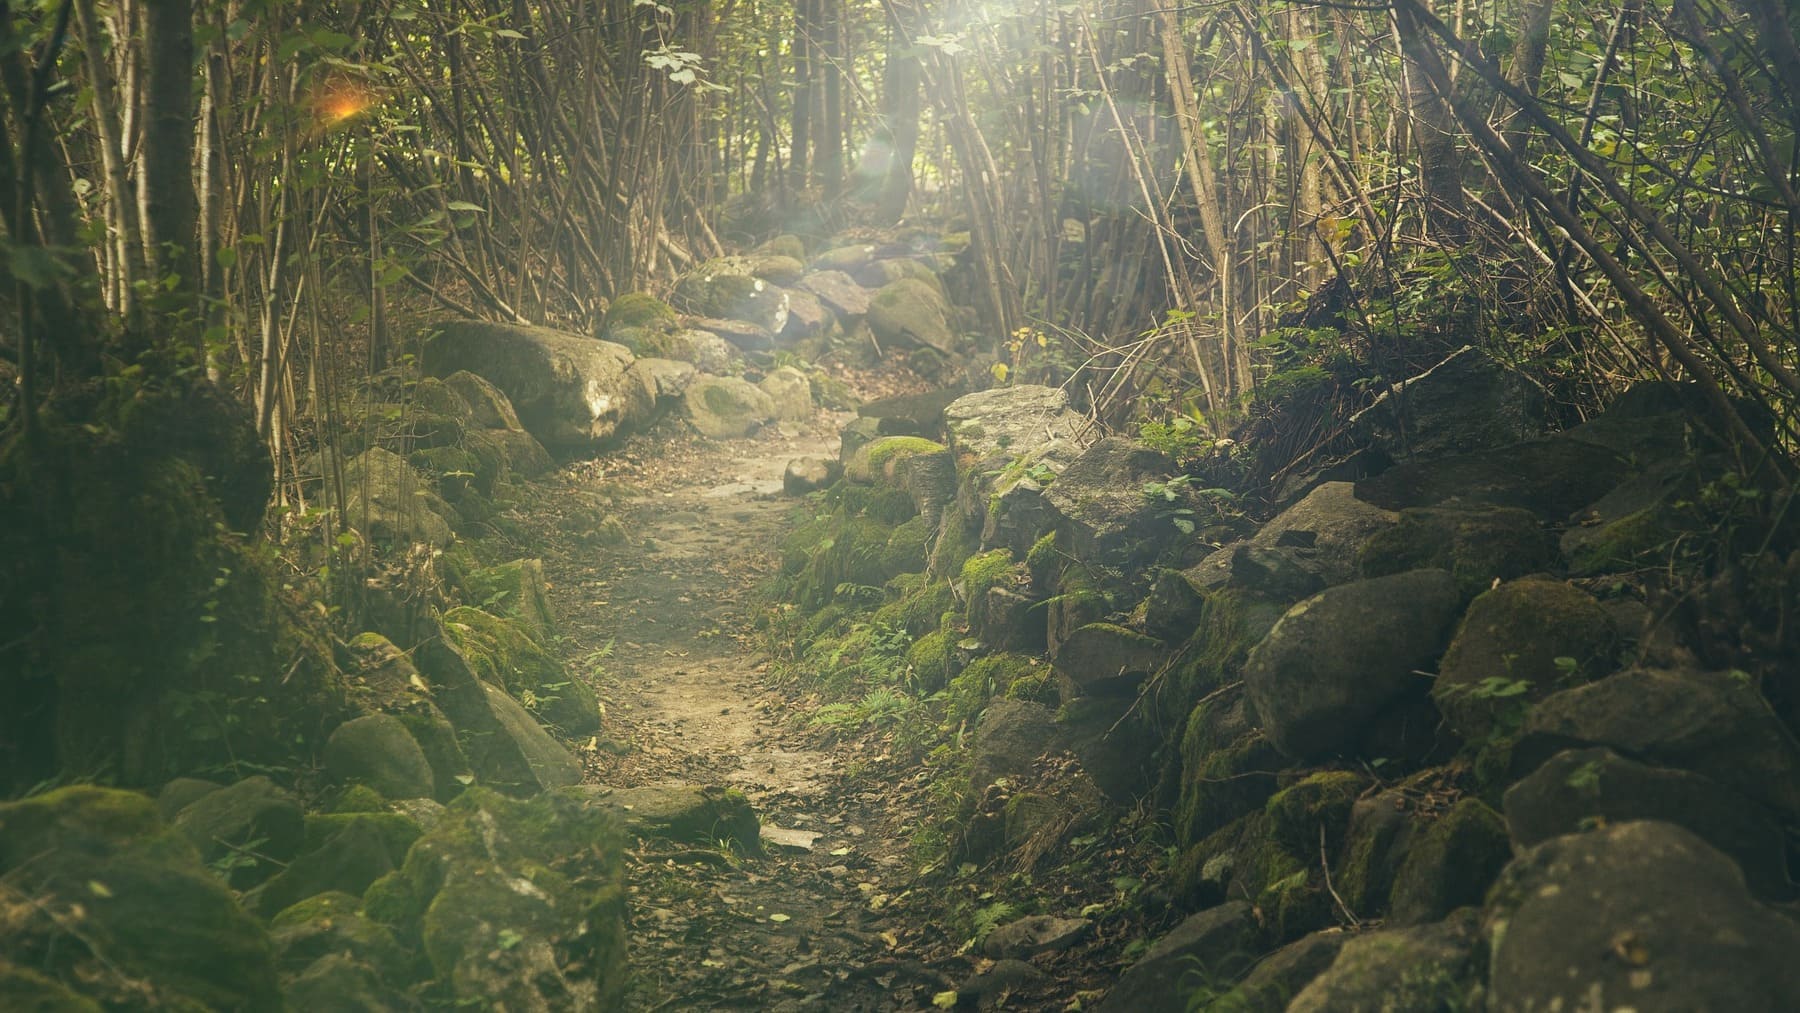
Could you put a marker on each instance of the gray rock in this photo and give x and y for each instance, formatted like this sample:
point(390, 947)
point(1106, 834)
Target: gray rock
point(911, 414)
point(808, 317)
point(393, 504)
point(993, 987)
point(839, 292)
point(1215, 945)
point(1013, 421)
point(253, 822)
point(1713, 723)
point(844, 258)
point(1340, 658)
point(551, 765)
point(1321, 534)
point(1108, 660)
point(708, 352)
point(727, 407)
point(1423, 969)
point(1577, 788)
point(1506, 653)
point(503, 744)
point(791, 393)
point(489, 407)
point(1278, 977)
point(739, 288)
point(1011, 736)
point(377, 750)
point(808, 474)
point(1465, 403)
point(858, 434)
point(910, 313)
point(741, 335)
point(1639, 915)
point(1103, 516)
point(1035, 934)
point(690, 813)
point(1552, 478)
point(1479, 544)
point(1004, 619)
point(181, 793)
point(570, 391)
point(664, 380)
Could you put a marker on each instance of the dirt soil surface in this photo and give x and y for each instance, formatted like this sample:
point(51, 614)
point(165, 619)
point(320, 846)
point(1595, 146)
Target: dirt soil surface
point(832, 915)
point(665, 617)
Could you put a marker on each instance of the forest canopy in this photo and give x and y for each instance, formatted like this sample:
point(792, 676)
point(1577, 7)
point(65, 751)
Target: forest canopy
point(1190, 201)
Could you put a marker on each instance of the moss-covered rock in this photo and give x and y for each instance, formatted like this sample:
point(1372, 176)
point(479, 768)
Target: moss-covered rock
point(919, 610)
point(726, 407)
point(1228, 769)
point(515, 589)
point(156, 927)
point(506, 654)
point(378, 751)
point(910, 313)
point(519, 903)
point(1624, 543)
point(249, 828)
point(489, 407)
point(691, 814)
point(1477, 544)
point(1450, 862)
point(984, 679)
point(931, 660)
point(1412, 970)
point(382, 678)
point(24, 989)
point(1516, 645)
point(879, 458)
point(393, 504)
point(987, 570)
point(639, 309)
point(1106, 659)
point(344, 852)
point(333, 923)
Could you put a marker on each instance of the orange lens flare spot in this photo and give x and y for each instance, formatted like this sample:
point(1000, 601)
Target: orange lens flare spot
point(342, 103)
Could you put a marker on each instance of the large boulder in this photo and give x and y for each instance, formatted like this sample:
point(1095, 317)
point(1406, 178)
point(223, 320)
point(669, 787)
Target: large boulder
point(382, 678)
point(740, 288)
point(1320, 536)
point(688, 813)
point(1579, 788)
point(391, 503)
point(379, 751)
point(1214, 945)
point(508, 654)
point(1422, 969)
point(518, 904)
point(249, 828)
point(1478, 544)
point(1466, 402)
point(1342, 657)
point(505, 746)
point(570, 391)
point(1551, 477)
point(1105, 517)
point(840, 292)
point(727, 407)
point(1016, 421)
point(1516, 645)
point(1713, 723)
point(153, 927)
point(910, 313)
point(1640, 915)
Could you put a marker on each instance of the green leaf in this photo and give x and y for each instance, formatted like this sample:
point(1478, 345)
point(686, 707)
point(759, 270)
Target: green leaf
point(463, 205)
point(227, 257)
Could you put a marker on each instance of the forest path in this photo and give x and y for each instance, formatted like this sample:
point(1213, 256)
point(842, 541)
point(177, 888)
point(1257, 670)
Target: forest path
point(666, 617)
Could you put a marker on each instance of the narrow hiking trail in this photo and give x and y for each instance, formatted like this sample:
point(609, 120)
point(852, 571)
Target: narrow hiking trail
point(665, 615)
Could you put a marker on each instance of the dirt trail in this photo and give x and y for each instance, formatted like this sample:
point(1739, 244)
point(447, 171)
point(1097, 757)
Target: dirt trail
point(688, 701)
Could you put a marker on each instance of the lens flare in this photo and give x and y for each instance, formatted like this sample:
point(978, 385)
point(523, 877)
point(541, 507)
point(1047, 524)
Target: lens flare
point(341, 101)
